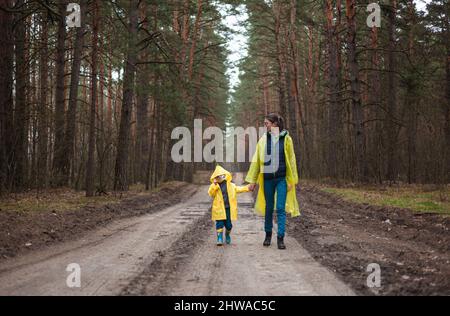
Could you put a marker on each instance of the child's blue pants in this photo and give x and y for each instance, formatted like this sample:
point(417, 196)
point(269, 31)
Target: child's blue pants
point(225, 223)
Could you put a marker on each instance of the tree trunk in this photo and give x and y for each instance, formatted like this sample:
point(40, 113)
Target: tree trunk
point(42, 176)
point(6, 100)
point(194, 38)
point(34, 109)
point(375, 101)
point(59, 148)
point(69, 143)
point(142, 118)
point(410, 100)
point(20, 115)
point(281, 70)
point(121, 180)
point(151, 151)
point(361, 164)
point(447, 105)
point(90, 167)
point(392, 95)
point(294, 98)
point(333, 93)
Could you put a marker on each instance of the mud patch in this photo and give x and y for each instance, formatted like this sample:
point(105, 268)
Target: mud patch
point(159, 275)
point(21, 232)
point(413, 250)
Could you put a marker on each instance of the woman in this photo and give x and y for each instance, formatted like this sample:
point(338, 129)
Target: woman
point(274, 168)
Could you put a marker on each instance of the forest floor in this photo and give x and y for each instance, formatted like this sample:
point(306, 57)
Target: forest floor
point(423, 198)
point(34, 220)
point(412, 248)
point(169, 249)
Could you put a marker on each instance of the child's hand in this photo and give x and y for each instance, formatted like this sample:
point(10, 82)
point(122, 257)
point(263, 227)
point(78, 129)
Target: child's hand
point(252, 187)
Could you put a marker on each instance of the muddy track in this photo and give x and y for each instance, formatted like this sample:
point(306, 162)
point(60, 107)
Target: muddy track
point(411, 249)
point(161, 270)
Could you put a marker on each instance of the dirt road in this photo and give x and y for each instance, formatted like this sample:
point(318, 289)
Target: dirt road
point(243, 268)
point(108, 257)
point(172, 252)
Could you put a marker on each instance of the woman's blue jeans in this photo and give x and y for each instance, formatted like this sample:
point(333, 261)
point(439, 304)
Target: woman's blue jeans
point(278, 185)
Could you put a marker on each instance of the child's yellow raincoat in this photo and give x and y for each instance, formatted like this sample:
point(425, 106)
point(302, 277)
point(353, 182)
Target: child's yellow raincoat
point(218, 206)
point(256, 175)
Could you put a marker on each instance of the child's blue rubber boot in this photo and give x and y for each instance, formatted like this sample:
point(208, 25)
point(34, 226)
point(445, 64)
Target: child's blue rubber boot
point(219, 238)
point(228, 237)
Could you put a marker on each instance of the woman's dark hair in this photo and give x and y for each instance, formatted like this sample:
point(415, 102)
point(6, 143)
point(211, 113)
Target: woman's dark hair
point(277, 119)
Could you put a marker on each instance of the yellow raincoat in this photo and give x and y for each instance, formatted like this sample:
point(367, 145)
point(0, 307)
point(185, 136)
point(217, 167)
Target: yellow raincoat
point(256, 175)
point(218, 206)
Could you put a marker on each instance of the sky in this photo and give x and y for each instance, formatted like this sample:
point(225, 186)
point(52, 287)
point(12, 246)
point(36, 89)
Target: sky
point(421, 4)
point(237, 45)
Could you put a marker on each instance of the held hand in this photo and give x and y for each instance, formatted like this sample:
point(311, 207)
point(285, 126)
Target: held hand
point(252, 187)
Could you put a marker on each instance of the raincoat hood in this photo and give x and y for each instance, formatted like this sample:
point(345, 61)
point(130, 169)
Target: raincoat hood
point(220, 171)
point(284, 133)
point(218, 211)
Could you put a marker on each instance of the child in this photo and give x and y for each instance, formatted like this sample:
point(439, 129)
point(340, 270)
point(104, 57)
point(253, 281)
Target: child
point(224, 207)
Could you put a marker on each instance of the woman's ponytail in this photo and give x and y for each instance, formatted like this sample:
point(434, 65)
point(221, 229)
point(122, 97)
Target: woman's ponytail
point(281, 123)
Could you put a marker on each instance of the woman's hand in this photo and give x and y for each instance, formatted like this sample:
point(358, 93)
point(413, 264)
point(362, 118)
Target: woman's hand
point(290, 187)
point(252, 186)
